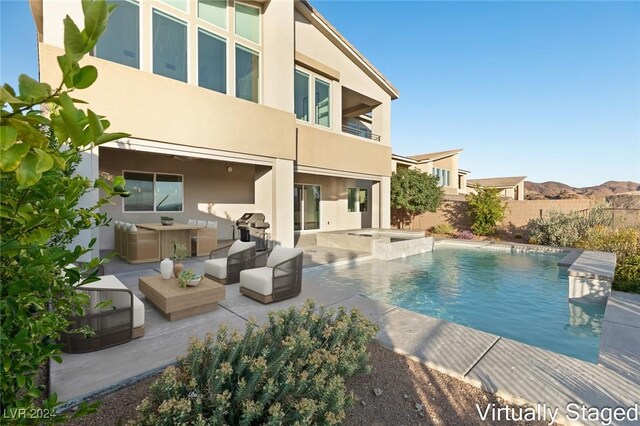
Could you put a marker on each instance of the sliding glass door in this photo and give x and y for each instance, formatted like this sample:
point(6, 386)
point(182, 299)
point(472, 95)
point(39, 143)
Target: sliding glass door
point(306, 207)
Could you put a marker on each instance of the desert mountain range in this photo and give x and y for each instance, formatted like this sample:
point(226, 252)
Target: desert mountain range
point(616, 192)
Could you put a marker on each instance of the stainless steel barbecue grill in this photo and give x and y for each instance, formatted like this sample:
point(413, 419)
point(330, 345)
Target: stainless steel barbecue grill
point(252, 227)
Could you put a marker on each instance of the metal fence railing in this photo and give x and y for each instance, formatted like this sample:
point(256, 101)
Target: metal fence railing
point(362, 132)
point(619, 217)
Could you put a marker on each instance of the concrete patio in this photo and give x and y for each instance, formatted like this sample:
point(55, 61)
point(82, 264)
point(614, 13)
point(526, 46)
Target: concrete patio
point(515, 371)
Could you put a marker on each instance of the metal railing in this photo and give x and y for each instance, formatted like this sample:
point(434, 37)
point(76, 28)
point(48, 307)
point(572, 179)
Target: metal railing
point(360, 132)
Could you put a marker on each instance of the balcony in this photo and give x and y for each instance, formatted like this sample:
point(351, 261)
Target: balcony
point(363, 132)
point(357, 114)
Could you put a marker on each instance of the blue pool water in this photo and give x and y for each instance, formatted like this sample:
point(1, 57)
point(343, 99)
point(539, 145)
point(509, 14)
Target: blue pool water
point(521, 296)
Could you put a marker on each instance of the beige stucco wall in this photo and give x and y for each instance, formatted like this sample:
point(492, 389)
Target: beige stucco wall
point(210, 191)
point(322, 148)
point(334, 214)
point(153, 107)
point(312, 43)
point(518, 213)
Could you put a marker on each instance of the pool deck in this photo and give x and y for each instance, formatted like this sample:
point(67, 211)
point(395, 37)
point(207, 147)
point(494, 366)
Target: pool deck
point(515, 371)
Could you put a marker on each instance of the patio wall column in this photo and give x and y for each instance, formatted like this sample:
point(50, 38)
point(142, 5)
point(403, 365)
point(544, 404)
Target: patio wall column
point(375, 204)
point(282, 225)
point(88, 168)
point(385, 202)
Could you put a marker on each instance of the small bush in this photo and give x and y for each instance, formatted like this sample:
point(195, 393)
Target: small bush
point(625, 243)
point(289, 371)
point(627, 275)
point(465, 235)
point(486, 210)
point(444, 229)
point(566, 229)
point(622, 242)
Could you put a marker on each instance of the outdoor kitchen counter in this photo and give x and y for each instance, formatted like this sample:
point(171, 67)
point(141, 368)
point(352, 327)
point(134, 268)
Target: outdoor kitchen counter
point(179, 232)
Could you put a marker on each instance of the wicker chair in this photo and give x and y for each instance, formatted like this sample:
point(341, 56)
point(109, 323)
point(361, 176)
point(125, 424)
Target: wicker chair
point(115, 324)
point(279, 279)
point(227, 270)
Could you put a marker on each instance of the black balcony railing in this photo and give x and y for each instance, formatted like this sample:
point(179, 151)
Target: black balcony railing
point(362, 132)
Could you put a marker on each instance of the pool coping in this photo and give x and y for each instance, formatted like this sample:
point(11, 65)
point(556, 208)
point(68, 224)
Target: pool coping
point(595, 265)
point(502, 245)
point(500, 365)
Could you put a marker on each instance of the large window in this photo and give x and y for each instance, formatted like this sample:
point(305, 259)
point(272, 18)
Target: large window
point(121, 41)
point(169, 46)
point(248, 22)
point(323, 109)
point(301, 95)
point(154, 192)
point(212, 62)
point(357, 200)
point(443, 176)
point(213, 11)
point(247, 74)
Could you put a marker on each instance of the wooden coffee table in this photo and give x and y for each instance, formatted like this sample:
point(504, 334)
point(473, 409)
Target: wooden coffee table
point(176, 302)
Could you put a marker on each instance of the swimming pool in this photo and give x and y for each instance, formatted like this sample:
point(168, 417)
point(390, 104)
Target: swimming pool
point(521, 296)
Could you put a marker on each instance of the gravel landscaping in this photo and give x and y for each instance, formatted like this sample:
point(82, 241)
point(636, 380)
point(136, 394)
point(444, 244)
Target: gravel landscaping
point(397, 391)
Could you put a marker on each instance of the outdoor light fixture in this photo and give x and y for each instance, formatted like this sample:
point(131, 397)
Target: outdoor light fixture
point(229, 169)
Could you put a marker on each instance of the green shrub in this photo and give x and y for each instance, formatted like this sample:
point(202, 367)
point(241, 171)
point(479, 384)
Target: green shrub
point(44, 135)
point(566, 229)
point(413, 193)
point(627, 276)
point(444, 228)
point(289, 371)
point(485, 210)
point(625, 243)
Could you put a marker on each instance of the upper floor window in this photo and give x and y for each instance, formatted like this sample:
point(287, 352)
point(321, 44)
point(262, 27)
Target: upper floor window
point(212, 62)
point(443, 176)
point(247, 74)
point(169, 46)
point(214, 12)
point(301, 95)
point(248, 22)
point(323, 107)
point(182, 5)
point(121, 41)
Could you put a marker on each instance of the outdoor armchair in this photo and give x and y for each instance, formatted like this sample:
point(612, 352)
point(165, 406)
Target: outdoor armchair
point(119, 322)
point(280, 279)
point(227, 270)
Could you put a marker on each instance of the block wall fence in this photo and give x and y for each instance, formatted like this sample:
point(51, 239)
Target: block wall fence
point(454, 211)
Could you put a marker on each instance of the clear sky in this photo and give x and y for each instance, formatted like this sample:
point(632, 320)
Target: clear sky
point(550, 90)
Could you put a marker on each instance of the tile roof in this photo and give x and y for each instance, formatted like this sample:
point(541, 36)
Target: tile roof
point(497, 182)
point(434, 155)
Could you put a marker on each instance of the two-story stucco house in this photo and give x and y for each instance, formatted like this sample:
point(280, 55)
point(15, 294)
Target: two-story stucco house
point(443, 164)
point(233, 107)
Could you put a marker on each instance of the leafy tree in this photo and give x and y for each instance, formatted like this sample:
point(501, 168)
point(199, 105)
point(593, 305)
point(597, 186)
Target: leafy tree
point(413, 193)
point(486, 210)
point(43, 136)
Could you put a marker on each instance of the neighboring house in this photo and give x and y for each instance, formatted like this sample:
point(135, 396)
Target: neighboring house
point(510, 187)
point(443, 164)
point(234, 107)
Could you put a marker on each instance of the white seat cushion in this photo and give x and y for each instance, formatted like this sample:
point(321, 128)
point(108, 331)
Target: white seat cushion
point(281, 254)
point(216, 268)
point(258, 280)
point(212, 224)
point(118, 298)
point(191, 222)
point(201, 223)
point(240, 245)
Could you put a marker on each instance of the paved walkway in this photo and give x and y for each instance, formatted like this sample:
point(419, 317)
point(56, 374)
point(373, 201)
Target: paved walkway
point(515, 371)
